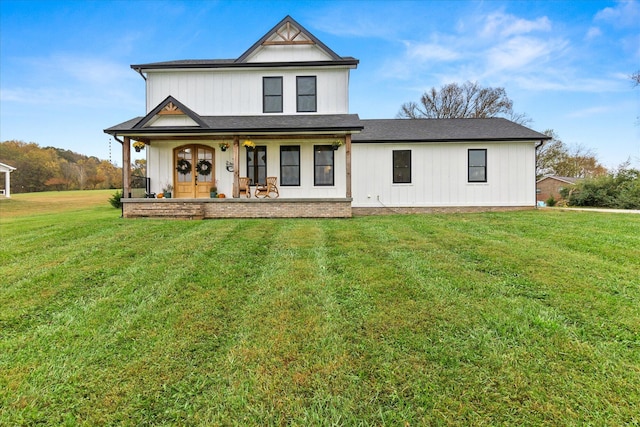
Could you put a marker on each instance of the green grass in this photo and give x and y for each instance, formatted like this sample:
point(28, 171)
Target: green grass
point(526, 318)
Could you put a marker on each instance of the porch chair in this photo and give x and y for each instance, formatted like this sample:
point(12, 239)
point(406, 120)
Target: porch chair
point(266, 190)
point(244, 185)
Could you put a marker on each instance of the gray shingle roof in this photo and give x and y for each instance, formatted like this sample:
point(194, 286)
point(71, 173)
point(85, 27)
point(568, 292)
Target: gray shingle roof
point(241, 60)
point(243, 124)
point(449, 130)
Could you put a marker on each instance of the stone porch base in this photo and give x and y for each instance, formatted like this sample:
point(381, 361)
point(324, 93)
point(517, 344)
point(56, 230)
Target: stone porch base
point(236, 208)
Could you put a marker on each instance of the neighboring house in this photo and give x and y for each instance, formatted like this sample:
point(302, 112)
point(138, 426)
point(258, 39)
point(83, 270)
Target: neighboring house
point(550, 186)
point(287, 99)
point(6, 170)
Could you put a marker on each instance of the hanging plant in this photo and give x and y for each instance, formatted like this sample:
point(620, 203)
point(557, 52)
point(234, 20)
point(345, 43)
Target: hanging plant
point(223, 146)
point(249, 144)
point(184, 166)
point(337, 144)
point(138, 145)
point(204, 167)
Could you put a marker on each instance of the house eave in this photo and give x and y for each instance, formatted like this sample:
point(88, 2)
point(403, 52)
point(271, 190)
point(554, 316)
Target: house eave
point(204, 65)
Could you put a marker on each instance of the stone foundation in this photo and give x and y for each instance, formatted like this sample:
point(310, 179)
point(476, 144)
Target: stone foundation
point(236, 208)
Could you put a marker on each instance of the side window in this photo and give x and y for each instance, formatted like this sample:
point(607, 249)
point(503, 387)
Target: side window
point(323, 165)
point(272, 94)
point(290, 165)
point(477, 165)
point(306, 94)
point(401, 166)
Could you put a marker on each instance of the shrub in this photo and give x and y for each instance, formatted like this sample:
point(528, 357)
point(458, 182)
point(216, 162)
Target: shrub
point(619, 190)
point(115, 199)
point(551, 202)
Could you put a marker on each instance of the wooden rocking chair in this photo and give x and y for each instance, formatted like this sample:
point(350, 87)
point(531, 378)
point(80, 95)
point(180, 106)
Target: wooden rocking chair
point(269, 189)
point(244, 185)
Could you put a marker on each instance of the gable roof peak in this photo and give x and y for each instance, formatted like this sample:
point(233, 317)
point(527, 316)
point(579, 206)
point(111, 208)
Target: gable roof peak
point(287, 32)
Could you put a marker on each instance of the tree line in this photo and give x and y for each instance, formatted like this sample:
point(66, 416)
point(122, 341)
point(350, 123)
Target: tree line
point(49, 168)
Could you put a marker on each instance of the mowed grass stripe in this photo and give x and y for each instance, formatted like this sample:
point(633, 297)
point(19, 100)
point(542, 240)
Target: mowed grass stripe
point(500, 318)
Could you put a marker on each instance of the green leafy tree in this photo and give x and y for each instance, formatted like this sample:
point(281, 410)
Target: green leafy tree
point(619, 189)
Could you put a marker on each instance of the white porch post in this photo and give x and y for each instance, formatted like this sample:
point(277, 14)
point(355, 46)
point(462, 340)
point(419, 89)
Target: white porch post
point(236, 167)
point(347, 145)
point(7, 184)
point(126, 168)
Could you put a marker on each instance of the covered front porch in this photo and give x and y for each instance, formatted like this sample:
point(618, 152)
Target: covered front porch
point(307, 157)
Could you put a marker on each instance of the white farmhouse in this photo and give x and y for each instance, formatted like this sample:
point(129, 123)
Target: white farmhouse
point(272, 132)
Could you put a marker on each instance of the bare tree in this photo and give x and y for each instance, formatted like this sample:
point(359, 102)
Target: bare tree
point(469, 100)
point(554, 157)
point(635, 77)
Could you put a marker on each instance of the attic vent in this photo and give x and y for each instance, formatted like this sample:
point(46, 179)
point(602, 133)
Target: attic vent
point(287, 35)
point(170, 109)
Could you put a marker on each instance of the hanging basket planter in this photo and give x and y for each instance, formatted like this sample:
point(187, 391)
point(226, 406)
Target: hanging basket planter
point(223, 146)
point(249, 144)
point(138, 146)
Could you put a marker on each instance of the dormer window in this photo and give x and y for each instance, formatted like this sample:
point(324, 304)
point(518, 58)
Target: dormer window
point(272, 92)
point(306, 94)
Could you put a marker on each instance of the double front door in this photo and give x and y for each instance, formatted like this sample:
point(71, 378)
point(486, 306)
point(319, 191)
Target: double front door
point(194, 171)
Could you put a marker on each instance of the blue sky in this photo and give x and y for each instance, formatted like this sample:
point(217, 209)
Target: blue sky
point(65, 76)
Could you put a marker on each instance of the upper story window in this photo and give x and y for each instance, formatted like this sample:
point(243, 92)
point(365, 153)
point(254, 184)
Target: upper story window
point(306, 94)
point(401, 166)
point(272, 92)
point(477, 165)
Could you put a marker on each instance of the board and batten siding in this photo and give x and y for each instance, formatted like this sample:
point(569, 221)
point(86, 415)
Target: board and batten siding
point(439, 175)
point(161, 169)
point(239, 92)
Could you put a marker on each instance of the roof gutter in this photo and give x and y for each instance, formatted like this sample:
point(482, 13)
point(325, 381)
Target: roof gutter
point(139, 70)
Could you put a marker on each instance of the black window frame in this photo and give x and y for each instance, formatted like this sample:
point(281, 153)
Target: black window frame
point(295, 166)
point(396, 168)
point(265, 95)
point(314, 95)
point(253, 171)
point(471, 167)
point(316, 149)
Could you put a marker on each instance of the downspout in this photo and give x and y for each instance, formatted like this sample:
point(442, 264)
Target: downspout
point(535, 189)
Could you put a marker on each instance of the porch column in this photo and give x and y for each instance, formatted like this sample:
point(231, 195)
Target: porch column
point(236, 167)
point(126, 168)
point(7, 183)
point(347, 145)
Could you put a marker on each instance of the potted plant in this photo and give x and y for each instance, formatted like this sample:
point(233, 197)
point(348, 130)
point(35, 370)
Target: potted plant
point(138, 145)
point(213, 192)
point(223, 146)
point(249, 144)
point(337, 144)
point(166, 191)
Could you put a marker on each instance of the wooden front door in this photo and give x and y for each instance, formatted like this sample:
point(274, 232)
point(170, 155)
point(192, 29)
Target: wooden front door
point(194, 171)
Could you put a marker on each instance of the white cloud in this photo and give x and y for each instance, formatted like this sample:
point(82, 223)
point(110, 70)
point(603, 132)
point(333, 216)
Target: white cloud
point(588, 112)
point(522, 53)
point(593, 32)
point(504, 25)
point(430, 52)
point(623, 14)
